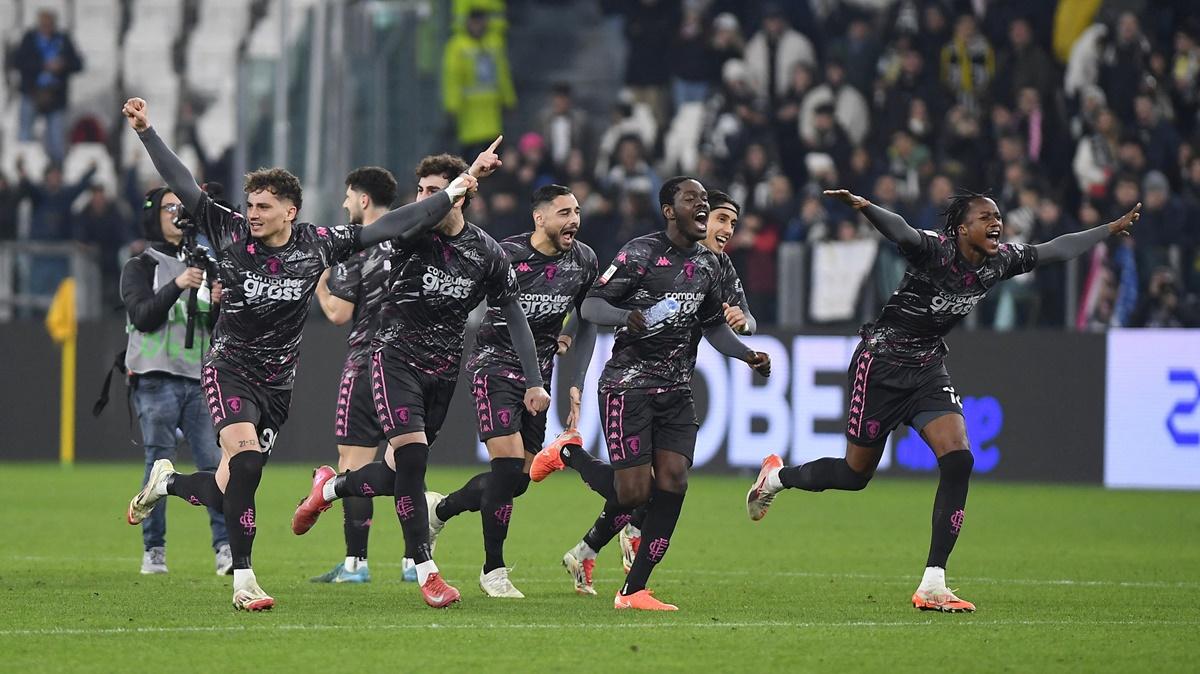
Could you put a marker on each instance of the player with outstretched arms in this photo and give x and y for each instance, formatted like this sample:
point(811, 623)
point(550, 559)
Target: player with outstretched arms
point(897, 374)
point(269, 266)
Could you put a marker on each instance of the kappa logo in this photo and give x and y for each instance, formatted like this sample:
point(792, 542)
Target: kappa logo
point(662, 261)
point(524, 267)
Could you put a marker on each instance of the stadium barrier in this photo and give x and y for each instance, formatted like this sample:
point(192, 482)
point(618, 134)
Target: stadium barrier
point(1121, 408)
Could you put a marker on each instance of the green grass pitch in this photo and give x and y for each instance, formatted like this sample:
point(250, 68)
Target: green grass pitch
point(1065, 578)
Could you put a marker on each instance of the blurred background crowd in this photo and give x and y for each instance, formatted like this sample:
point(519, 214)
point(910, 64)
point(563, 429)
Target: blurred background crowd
point(1068, 113)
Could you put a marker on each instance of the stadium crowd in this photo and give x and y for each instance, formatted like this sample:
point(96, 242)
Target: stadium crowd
point(1066, 115)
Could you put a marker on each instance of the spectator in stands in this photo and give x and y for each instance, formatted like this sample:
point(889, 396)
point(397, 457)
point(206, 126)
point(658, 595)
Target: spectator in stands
point(631, 172)
point(649, 25)
point(46, 60)
point(1052, 221)
point(849, 106)
point(1123, 61)
point(1024, 63)
point(862, 171)
point(968, 62)
point(727, 43)
point(52, 201)
point(1162, 306)
point(1185, 81)
point(1042, 132)
point(929, 214)
point(754, 250)
point(859, 51)
point(1156, 134)
point(11, 196)
point(477, 85)
point(963, 154)
point(774, 51)
point(1162, 228)
point(908, 160)
point(690, 58)
point(629, 118)
point(1096, 156)
point(103, 224)
point(828, 137)
point(751, 183)
point(786, 123)
point(895, 92)
point(564, 126)
point(734, 117)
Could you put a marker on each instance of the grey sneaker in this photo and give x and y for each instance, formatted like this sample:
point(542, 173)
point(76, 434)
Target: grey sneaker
point(224, 560)
point(154, 560)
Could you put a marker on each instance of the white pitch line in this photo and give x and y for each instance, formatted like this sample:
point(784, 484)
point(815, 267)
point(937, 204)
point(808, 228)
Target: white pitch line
point(949, 622)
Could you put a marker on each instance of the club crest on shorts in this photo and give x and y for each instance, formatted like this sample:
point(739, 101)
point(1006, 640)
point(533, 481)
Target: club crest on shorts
point(402, 415)
point(634, 443)
point(505, 417)
point(872, 428)
point(234, 404)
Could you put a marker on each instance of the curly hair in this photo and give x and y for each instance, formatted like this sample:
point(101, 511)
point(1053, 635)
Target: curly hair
point(277, 181)
point(956, 210)
point(447, 166)
point(375, 182)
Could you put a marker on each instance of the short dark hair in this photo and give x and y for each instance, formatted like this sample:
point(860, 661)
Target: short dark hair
point(375, 182)
point(666, 194)
point(547, 193)
point(956, 210)
point(280, 182)
point(151, 204)
point(719, 199)
point(445, 165)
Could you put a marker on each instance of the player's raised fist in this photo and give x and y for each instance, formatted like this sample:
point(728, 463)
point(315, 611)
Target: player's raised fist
point(136, 111)
point(488, 161)
point(1123, 224)
point(537, 400)
point(735, 318)
point(851, 200)
point(759, 362)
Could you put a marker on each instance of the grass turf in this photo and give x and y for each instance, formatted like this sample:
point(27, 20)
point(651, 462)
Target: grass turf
point(1066, 578)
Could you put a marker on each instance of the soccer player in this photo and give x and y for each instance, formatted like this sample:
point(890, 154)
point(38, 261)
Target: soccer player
point(353, 291)
point(268, 266)
point(897, 374)
point(567, 450)
point(554, 273)
point(417, 349)
point(645, 390)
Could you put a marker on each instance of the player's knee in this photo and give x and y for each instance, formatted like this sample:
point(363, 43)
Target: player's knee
point(957, 465)
point(857, 481)
point(633, 495)
point(674, 482)
point(522, 485)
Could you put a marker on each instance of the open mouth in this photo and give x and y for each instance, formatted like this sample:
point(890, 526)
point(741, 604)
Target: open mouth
point(567, 235)
point(993, 234)
point(721, 240)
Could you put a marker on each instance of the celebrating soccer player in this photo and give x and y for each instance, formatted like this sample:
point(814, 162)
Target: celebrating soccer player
point(554, 273)
point(897, 375)
point(353, 291)
point(269, 266)
point(417, 349)
point(660, 290)
point(580, 561)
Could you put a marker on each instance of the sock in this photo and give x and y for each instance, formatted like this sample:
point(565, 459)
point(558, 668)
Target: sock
point(933, 580)
point(639, 517)
point(409, 493)
point(822, 474)
point(661, 518)
point(197, 489)
point(243, 577)
point(948, 504)
point(356, 523)
point(245, 472)
point(595, 473)
point(424, 570)
point(466, 499)
point(584, 551)
point(373, 479)
point(496, 509)
point(353, 563)
point(610, 522)
point(774, 484)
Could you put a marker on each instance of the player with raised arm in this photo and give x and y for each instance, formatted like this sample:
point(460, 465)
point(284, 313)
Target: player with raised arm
point(660, 290)
point(268, 266)
point(554, 273)
point(352, 292)
point(567, 450)
point(897, 374)
point(417, 349)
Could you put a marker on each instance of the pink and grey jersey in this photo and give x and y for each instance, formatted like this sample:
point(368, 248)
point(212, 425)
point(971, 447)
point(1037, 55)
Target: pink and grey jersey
point(363, 281)
point(939, 288)
point(437, 282)
point(645, 271)
point(732, 291)
point(549, 288)
point(266, 291)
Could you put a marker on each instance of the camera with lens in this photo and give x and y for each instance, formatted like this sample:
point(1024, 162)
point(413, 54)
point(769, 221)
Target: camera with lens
point(193, 255)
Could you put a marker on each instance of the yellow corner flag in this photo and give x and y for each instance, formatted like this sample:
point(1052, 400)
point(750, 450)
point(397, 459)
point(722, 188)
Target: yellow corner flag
point(63, 328)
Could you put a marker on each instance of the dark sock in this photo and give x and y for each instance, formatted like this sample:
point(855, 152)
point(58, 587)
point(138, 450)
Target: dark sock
point(612, 519)
point(197, 489)
point(373, 479)
point(948, 505)
point(496, 509)
point(595, 473)
point(245, 472)
point(357, 513)
point(822, 474)
point(466, 499)
point(661, 518)
point(409, 492)
point(639, 515)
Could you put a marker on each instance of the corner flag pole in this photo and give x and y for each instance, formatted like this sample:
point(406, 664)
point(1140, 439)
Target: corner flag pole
point(64, 329)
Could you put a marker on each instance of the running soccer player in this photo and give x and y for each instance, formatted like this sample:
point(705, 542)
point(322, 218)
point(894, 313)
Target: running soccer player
point(268, 266)
point(554, 273)
point(645, 390)
point(353, 291)
point(567, 450)
point(417, 349)
point(897, 374)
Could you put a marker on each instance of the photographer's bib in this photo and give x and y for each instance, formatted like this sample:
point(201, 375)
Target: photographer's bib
point(163, 350)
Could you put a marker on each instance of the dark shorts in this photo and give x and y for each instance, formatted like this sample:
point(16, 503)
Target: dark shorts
point(638, 424)
point(408, 400)
point(881, 396)
point(500, 411)
point(234, 399)
point(356, 423)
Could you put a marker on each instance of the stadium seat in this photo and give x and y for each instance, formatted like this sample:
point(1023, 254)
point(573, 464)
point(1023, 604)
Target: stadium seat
point(34, 156)
point(157, 20)
point(81, 156)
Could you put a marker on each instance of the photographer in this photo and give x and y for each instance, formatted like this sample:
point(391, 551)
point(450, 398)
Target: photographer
point(1162, 306)
point(164, 374)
